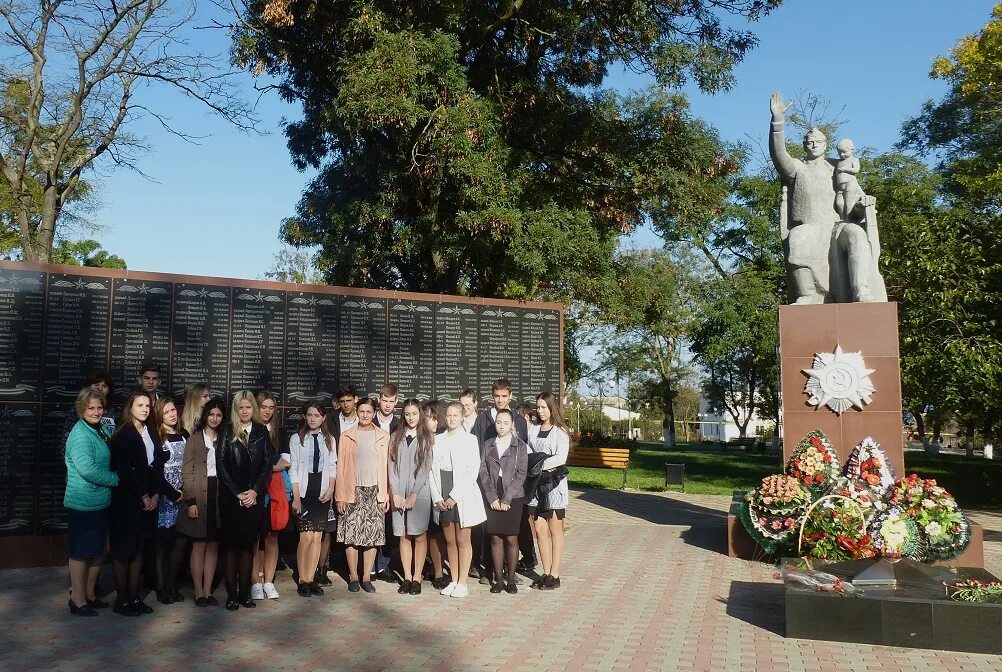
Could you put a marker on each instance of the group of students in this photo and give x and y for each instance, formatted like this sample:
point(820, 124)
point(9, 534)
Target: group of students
point(466, 490)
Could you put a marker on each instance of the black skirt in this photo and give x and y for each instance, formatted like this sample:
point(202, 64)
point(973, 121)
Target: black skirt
point(452, 515)
point(86, 534)
point(505, 523)
point(315, 519)
point(240, 525)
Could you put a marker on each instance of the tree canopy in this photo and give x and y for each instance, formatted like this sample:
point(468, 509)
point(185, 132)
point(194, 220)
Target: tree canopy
point(470, 147)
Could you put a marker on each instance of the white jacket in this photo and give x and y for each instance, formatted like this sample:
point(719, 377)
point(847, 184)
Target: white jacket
point(463, 452)
point(302, 462)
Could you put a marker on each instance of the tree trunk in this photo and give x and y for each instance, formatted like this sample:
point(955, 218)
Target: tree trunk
point(668, 425)
point(920, 428)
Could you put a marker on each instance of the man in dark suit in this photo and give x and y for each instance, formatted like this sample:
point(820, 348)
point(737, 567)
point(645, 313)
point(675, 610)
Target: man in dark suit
point(148, 380)
point(386, 420)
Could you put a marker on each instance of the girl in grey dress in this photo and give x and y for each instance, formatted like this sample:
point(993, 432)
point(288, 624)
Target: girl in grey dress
point(409, 469)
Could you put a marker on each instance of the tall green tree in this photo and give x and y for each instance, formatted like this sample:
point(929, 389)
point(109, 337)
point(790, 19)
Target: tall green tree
point(85, 253)
point(470, 147)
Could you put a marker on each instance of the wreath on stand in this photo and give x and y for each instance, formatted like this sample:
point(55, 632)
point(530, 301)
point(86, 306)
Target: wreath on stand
point(772, 512)
point(814, 464)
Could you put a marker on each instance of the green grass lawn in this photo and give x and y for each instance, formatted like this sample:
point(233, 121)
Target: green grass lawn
point(975, 482)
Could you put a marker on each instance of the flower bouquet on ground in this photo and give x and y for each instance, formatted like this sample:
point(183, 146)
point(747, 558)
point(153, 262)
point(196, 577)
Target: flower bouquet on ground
point(814, 463)
point(895, 535)
point(772, 512)
point(818, 581)
point(869, 465)
point(974, 590)
point(944, 530)
point(834, 530)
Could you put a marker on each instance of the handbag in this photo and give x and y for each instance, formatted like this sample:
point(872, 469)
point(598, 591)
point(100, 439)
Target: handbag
point(279, 507)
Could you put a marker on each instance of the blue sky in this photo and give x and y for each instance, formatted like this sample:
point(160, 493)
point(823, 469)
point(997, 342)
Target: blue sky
point(214, 208)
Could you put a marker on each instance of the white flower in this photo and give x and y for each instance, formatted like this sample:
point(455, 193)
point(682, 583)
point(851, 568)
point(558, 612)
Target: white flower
point(934, 529)
point(928, 504)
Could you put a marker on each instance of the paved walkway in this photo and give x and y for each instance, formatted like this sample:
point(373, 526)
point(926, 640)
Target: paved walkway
point(647, 586)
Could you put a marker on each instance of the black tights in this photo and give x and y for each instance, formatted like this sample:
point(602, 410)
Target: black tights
point(127, 575)
point(238, 563)
point(504, 548)
point(169, 558)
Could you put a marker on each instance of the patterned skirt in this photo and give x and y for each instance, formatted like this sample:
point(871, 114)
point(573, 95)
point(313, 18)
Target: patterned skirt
point(363, 522)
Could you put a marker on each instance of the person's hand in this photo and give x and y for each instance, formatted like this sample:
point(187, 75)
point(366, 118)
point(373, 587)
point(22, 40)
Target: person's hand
point(778, 107)
point(297, 505)
point(410, 501)
point(398, 502)
point(326, 497)
point(449, 504)
point(440, 505)
point(154, 502)
point(341, 506)
point(193, 511)
point(496, 505)
point(146, 502)
point(386, 506)
point(249, 498)
point(505, 507)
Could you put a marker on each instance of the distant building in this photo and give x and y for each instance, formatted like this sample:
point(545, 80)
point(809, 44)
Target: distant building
point(721, 426)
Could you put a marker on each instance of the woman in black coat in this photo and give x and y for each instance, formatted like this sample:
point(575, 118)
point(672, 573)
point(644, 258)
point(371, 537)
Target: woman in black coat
point(243, 464)
point(133, 513)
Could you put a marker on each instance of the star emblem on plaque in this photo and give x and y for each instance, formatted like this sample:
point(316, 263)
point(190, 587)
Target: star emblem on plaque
point(839, 380)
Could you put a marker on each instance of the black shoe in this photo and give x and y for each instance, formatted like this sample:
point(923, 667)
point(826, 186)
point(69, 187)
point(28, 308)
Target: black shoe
point(201, 602)
point(511, 588)
point(386, 575)
point(354, 586)
point(497, 588)
point(439, 583)
point(524, 568)
point(142, 607)
point(211, 601)
point(303, 589)
point(249, 603)
point(320, 577)
point(281, 566)
point(405, 588)
point(484, 581)
point(97, 604)
point(85, 610)
point(232, 605)
point(178, 597)
point(368, 587)
point(550, 583)
point(315, 589)
point(538, 583)
point(124, 609)
point(474, 572)
point(163, 597)
point(416, 588)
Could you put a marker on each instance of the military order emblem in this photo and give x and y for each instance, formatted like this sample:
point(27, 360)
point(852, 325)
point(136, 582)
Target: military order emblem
point(839, 380)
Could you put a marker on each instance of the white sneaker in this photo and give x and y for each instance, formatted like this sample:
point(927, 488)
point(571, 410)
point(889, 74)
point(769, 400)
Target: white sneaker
point(270, 592)
point(257, 592)
point(460, 590)
point(447, 591)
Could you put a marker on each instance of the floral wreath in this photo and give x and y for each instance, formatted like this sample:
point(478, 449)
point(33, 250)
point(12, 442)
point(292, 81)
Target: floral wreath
point(814, 463)
point(772, 512)
point(944, 530)
point(895, 535)
point(868, 463)
point(869, 501)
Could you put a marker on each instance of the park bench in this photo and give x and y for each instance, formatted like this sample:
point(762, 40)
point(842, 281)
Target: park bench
point(745, 442)
point(600, 458)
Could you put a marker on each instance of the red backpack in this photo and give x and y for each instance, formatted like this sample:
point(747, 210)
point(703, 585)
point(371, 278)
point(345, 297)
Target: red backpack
point(279, 507)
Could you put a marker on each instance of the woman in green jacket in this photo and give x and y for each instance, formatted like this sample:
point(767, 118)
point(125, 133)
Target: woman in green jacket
point(89, 480)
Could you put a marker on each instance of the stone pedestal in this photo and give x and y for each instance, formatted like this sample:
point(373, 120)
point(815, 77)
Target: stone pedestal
point(868, 328)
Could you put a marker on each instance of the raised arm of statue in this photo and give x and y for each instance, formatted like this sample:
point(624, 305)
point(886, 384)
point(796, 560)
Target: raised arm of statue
point(785, 164)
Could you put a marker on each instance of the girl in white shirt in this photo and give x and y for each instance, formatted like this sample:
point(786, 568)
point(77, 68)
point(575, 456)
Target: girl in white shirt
point(459, 504)
point(550, 436)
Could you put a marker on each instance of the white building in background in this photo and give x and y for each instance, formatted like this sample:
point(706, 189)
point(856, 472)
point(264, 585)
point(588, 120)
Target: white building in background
point(721, 426)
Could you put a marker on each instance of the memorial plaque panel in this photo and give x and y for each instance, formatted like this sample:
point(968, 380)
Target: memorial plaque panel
point(201, 338)
point(50, 515)
point(22, 311)
point(361, 353)
point(291, 419)
point(140, 331)
point(310, 348)
point(535, 350)
point(410, 349)
point(76, 332)
point(500, 341)
point(18, 444)
point(456, 349)
point(257, 341)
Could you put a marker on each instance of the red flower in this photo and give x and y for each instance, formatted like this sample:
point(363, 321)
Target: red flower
point(819, 478)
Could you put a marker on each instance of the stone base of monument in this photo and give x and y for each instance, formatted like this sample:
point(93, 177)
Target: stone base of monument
point(904, 604)
point(741, 545)
point(32, 551)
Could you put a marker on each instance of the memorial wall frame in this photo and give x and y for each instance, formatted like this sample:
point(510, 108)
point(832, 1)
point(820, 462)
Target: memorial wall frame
point(59, 323)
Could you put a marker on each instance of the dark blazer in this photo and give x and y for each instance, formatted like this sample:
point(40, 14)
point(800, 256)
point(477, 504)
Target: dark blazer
point(391, 430)
point(484, 430)
point(512, 465)
point(195, 487)
point(242, 467)
point(136, 478)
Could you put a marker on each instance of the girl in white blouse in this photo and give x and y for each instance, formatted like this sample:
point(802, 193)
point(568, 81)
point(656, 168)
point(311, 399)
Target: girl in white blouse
point(458, 502)
point(550, 436)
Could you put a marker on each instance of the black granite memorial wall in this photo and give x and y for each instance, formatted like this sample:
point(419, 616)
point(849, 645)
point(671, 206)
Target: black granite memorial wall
point(59, 323)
